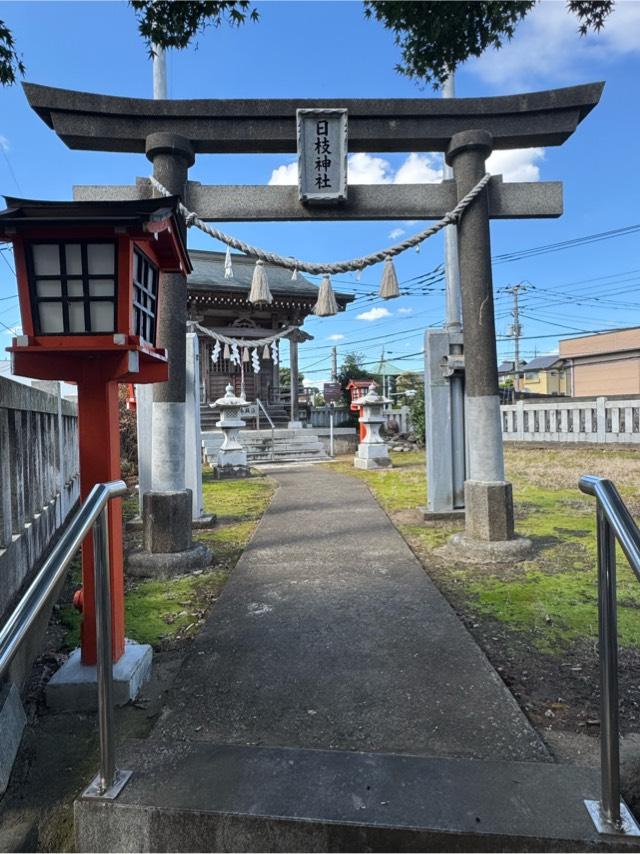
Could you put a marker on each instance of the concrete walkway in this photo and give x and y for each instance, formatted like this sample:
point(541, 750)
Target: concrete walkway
point(329, 634)
point(334, 702)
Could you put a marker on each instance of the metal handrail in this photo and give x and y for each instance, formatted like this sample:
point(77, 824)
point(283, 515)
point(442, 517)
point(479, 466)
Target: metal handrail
point(268, 417)
point(613, 522)
point(93, 513)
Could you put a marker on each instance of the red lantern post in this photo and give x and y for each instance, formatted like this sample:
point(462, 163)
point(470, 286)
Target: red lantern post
point(89, 288)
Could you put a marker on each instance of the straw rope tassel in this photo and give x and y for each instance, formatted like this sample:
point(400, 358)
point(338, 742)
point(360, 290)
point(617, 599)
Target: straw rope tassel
point(265, 353)
point(326, 304)
point(227, 351)
point(260, 285)
point(389, 284)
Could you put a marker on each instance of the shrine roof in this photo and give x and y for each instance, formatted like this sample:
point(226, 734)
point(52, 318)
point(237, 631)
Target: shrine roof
point(208, 275)
point(385, 368)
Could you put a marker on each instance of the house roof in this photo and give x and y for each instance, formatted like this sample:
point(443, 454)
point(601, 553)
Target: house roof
point(507, 367)
point(208, 275)
point(542, 363)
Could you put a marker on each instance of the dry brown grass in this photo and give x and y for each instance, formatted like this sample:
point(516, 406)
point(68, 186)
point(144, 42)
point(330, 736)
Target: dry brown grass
point(561, 468)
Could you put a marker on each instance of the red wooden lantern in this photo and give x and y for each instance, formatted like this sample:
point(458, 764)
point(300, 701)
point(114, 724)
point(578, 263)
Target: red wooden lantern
point(89, 289)
point(357, 390)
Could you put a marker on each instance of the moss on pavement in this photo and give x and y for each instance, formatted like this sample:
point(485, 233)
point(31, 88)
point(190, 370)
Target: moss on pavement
point(163, 612)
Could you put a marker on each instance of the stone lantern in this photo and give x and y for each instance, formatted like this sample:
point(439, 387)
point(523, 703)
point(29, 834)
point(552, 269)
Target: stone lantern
point(231, 460)
point(372, 451)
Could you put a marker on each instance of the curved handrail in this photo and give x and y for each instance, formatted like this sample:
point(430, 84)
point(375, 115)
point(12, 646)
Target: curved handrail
point(262, 407)
point(617, 515)
point(36, 595)
point(613, 522)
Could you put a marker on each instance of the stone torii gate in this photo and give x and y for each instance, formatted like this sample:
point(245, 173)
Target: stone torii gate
point(171, 133)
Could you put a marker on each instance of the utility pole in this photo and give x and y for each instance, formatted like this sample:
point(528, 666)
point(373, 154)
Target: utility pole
point(445, 384)
point(334, 364)
point(159, 74)
point(451, 266)
point(516, 330)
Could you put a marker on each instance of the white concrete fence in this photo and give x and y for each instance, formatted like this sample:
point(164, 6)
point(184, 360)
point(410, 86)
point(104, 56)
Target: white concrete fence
point(39, 478)
point(601, 420)
point(320, 416)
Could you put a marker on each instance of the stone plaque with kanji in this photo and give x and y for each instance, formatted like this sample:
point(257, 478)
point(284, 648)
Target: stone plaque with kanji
point(322, 156)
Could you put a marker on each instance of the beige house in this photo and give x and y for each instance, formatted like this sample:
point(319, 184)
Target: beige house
point(603, 364)
point(545, 375)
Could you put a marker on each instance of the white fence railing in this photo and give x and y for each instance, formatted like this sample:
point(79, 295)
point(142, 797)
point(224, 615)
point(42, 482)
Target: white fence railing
point(320, 416)
point(601, 420)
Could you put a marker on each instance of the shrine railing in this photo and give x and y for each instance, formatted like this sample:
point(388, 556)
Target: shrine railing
point(92, 516)
point(613, 523)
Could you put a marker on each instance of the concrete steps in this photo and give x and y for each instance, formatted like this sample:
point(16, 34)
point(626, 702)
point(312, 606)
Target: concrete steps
point(197, 796)
point(284, 446)
point(278, 414)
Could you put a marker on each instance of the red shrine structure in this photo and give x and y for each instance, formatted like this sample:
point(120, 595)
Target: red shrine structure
point(89, 290)
point(358, 389)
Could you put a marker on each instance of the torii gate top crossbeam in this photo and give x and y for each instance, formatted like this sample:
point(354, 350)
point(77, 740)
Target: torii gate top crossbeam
point(105, 123)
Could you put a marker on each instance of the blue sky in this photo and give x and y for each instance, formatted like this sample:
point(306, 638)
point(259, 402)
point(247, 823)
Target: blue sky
point(328, 49)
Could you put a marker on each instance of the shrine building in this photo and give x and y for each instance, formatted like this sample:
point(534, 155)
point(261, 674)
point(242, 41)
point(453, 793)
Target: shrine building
point(221, 305)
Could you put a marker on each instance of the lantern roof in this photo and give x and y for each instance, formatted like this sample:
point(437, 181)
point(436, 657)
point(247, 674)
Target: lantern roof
point(142, 218)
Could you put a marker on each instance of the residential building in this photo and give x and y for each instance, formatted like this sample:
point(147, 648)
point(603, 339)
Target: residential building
point(604, 364)
point(544, 375)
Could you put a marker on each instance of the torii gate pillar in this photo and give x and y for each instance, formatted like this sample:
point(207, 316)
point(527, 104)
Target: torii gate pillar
point(167, 507)
point(489, 531)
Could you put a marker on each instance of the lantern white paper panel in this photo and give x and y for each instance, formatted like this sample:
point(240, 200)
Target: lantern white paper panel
point(101, 259)
point(46, 259)
point(51, 320)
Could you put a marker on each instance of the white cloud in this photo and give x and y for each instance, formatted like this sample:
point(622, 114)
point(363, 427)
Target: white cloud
point(419, 169)
point(4, 143)
point(335, 337)
point(363, 168)
point(395, 233)
point(547, 46)
point(285, 174)
point(519, 164)
point(405, 311)
point(374, 314)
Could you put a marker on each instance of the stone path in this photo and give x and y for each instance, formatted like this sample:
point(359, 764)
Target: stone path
point(329, 634)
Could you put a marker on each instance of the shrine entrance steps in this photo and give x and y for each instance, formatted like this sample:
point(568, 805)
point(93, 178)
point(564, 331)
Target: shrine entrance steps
point(279, 414)
point(266, 446)
point(334, 702)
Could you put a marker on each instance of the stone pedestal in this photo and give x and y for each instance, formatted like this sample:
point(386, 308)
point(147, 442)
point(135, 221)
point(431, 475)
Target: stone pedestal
point(372, 451)
point(74, 688)
point(231, 460)
point(168, 547)
point(489, 535)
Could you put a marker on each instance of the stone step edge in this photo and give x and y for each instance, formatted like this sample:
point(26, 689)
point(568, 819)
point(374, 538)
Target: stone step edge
point(237, 798)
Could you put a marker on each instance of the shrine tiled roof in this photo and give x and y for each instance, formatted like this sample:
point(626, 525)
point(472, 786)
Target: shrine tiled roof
point(208, 275)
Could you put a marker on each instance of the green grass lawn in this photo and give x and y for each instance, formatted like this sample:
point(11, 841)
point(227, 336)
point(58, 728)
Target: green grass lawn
point(551, 598)
point(164, 612)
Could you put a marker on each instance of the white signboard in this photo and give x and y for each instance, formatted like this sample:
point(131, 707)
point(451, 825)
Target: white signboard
point(322, 156)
